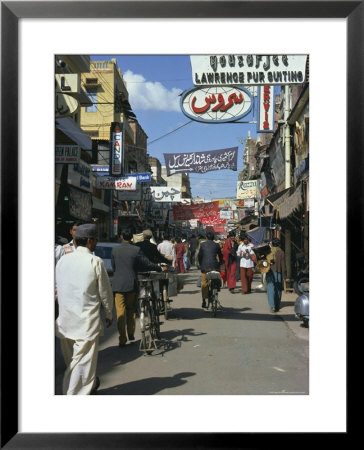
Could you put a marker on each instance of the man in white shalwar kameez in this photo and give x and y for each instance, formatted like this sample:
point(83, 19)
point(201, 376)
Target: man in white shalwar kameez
point(83, 286)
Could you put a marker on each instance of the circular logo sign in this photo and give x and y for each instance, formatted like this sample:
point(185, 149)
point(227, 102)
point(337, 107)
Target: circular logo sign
point(216, 103)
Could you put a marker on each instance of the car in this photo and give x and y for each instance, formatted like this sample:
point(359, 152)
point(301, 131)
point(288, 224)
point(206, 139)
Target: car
point(103, 250)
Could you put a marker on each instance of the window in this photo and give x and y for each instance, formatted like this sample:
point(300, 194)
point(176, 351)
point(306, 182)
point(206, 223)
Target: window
point(92, 94)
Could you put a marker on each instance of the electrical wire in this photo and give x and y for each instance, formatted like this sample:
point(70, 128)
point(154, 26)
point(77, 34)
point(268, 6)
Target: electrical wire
point(167, 134)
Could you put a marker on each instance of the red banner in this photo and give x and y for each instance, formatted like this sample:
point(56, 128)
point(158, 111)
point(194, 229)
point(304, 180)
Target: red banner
point(206, 213)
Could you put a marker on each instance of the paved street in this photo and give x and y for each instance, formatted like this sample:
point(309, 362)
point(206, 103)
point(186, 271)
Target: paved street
point(244, 350)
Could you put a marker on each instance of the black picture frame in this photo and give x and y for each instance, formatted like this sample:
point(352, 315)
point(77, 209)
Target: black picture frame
point(11, 12)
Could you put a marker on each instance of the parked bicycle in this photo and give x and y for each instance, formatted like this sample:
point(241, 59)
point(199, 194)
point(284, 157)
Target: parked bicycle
point(148, 311)
point(214, 288)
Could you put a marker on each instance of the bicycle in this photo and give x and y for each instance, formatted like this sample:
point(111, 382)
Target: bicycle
point(148, 312)
point(164, 300)
point(214, 287)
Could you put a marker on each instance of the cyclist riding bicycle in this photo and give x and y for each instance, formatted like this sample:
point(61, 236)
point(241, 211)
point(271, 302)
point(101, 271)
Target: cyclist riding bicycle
point(209, 258)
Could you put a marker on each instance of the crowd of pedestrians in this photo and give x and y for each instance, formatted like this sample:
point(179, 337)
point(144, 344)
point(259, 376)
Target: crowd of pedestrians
point(83, 286)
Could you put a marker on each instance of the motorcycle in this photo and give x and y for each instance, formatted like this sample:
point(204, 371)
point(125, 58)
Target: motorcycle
point(301, 287)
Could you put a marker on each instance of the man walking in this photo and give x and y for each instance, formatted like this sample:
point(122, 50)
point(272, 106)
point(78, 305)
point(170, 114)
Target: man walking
point(245, 253)
point(276, 275)
point(126, 260)
point(82, 286)
point(166, 247)
point(209, 258)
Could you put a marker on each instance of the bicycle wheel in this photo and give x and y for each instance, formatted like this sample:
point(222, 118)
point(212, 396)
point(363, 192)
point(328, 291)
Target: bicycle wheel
point(214, 303)
point(154, 322)
point(165, 300)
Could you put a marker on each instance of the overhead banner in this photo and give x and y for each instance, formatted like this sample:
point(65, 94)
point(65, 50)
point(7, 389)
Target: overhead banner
point(165, 194)
point(248, 70)
point(201, 162)
point(204, 212)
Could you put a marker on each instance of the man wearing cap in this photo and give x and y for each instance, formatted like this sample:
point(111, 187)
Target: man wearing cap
point(150, 250)
point(83, 286)
point(126, 260)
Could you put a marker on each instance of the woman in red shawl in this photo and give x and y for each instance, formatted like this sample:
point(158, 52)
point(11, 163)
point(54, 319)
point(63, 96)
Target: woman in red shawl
point(229, 254)
point(180, 251)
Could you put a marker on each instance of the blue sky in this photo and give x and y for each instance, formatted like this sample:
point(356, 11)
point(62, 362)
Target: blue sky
point(154, 83)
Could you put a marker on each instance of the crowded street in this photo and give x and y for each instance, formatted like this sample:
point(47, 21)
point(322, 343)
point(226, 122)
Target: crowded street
point(244, 350)
point(182, 224)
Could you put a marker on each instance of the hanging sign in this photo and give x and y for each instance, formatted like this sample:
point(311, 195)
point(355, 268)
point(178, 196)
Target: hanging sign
point(67, 154)
point(247, 70)
point(218, 104)
point(266, 109)
point(201, 162)
point(116, 148)
point(247, 189)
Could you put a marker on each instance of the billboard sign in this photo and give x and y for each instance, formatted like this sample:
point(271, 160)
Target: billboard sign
point(122, 184)
point(266, 109)
point(68, 154)
point(165, 194)
point(116, 149)
point(248, 70)
point(247, 189)
point(218, 104)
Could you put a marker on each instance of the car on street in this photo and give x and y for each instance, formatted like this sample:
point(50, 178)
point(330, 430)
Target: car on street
point(103, 250)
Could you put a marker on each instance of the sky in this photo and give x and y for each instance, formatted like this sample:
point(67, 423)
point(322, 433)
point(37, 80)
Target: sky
point(155, 83)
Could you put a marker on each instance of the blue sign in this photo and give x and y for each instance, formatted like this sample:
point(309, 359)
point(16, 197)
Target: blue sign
point(141, 177)
point(103, 169)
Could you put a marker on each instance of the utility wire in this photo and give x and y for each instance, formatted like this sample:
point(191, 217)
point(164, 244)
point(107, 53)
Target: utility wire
point(167, 134)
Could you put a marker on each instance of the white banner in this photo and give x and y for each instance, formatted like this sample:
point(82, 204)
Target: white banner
point(119, 184)
point(226, 214)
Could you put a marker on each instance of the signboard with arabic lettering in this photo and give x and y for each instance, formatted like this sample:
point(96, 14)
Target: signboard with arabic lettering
point(247, 70)
point(206, 213)
point(201, 162)
point(165, 194)
point(216, 104)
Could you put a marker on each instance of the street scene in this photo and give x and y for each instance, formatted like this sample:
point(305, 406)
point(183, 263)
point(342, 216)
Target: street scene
point(182, 224)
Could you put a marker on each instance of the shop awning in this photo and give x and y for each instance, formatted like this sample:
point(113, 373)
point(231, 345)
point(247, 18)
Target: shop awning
point(290, 204)
point(74, 132)
point(257, 235)
point(276, 199)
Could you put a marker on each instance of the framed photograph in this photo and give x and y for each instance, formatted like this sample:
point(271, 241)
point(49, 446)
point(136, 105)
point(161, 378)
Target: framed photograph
point(31, 34)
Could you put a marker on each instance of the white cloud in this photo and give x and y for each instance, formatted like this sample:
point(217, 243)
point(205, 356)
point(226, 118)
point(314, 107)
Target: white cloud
point(148, 95)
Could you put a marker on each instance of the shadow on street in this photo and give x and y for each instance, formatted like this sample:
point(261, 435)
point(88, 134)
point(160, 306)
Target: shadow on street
point(147, 386)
